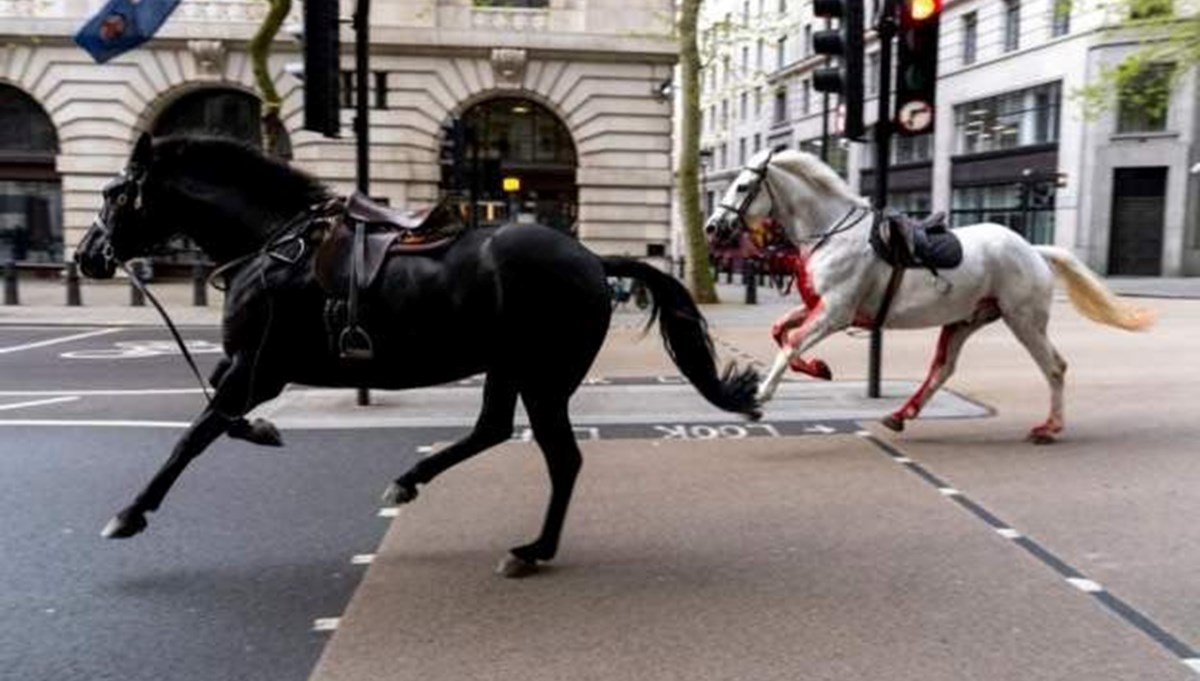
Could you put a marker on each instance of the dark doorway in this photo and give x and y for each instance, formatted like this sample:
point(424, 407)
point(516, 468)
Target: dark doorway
point(521, 164)
point(1138, 209)
point(30, 189)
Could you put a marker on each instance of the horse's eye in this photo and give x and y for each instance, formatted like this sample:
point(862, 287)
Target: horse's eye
point(122, 199)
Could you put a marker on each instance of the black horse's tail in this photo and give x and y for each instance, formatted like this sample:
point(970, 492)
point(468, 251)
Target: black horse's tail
point(685, 335)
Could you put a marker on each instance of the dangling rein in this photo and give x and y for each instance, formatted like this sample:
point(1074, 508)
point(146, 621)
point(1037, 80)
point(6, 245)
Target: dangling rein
point(187, 355)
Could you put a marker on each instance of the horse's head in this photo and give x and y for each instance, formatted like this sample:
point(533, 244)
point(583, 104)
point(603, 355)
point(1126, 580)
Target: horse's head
point(747, 201)
point(796, 191)
point(121, 230)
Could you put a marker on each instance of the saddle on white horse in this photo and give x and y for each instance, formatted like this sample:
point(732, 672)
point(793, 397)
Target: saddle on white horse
point(904, 242)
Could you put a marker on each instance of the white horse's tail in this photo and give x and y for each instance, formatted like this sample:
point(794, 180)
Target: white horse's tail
point(1090, 296)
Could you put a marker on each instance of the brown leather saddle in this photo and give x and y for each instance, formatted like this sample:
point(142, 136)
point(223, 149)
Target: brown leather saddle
point(358, 243)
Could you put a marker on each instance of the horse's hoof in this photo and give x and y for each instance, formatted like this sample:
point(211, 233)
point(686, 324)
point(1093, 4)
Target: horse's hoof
point(397, 493)
point(124, 525)
point(1041, 437)
point(513, 567)
point(893, 422)
point(258, 432)
point(820, 370)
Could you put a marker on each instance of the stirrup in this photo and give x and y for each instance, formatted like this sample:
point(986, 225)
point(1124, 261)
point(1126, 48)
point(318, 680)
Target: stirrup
point(355, 343)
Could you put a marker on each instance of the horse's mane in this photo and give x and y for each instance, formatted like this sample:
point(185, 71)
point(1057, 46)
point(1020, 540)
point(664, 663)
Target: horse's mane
point(810, 168)
point(229, 162)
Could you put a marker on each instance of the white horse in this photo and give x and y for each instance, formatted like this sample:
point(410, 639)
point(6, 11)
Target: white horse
point(843, 282)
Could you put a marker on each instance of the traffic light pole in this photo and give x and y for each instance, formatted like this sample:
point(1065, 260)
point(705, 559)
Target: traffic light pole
point(886, 30)
point(362, 126)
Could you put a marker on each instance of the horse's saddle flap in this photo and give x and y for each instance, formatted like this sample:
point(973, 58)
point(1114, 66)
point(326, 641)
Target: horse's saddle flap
point(927, 243)
point(332, 263)
point(360, 208)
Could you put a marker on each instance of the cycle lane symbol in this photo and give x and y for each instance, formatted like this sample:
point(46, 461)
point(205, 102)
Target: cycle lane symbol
point(139, 349)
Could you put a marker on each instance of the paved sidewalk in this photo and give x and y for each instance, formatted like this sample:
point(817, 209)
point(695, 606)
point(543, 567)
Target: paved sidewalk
point(107, 303)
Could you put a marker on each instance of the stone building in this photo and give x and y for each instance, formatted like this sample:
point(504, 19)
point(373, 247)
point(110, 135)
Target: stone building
point(1011, 144)
point(563, 95)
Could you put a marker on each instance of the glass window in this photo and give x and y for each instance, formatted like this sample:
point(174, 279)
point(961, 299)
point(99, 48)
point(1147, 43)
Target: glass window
point(1012, 25)
point(806, 48)
point(903, 150)
point(760, 48)
point(31, 221)
point(1060, 18)
point(781, 53)
point(742, 151)
point(1150, 9)
point(781, 107)
point(512, 3)
point(970, 30)
point(757, 142)
point(743, 106)
point(1142, 102)
point(1007, 121)
point(871, 74)
point(916, 204)
point(805, 97)
point(1025, 207)
point(839, 155)
point(231, 113)
point(24, 126)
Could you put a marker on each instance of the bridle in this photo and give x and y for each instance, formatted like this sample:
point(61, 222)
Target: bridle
point(131, 181)
point(848, 220)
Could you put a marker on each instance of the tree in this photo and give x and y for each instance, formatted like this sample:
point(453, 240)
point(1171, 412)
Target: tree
point(274, 134)
point(699, 277)
point(1144, 80)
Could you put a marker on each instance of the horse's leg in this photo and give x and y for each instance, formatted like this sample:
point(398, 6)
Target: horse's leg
point(1030, 329)
point(945, 359)
point(556, 438)
point(819, 324)
point(815, 367)
point(494, 426)
point(232, 399)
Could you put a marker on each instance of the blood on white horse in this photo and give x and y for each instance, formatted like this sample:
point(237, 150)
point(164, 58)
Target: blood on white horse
point(842, 282)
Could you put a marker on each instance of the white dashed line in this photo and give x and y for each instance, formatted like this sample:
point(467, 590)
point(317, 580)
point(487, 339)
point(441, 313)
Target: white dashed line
point(56, 341)
point(363, 559)
point(902, 459)
point(389, 512)
point(1193, 663)
point(38, 403)
point(326, 623)
point(863, 433)
point(949, 492)
point(1008, 533)
point(1085, 585)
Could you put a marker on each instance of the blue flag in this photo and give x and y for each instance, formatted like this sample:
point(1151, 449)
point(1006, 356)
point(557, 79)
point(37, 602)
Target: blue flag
point(122, 25)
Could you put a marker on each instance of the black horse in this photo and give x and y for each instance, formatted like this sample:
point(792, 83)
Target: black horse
point(527, 305)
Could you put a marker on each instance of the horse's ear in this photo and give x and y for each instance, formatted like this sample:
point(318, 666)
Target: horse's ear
point(142, 152)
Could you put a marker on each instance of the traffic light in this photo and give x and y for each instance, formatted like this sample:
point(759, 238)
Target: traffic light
point(452, 153)
point(322, 64)
point(845, 44)
point(916, 71)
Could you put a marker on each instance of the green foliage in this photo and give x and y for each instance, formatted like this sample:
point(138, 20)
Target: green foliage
point(1143, 81)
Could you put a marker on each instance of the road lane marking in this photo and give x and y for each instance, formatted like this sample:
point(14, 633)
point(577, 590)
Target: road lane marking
point(389, 512)
point(362, 559)
point(115, 392)
point(38, 403)
point(85, 423)
point(1127, 613)
point(57, 341)
point(326, 623)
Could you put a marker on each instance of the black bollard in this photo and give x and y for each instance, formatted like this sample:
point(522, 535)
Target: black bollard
point(12, 295)
point(199, 284)
point(751, 278)
point(729, 271)
point(136, 297)
point(74, 295)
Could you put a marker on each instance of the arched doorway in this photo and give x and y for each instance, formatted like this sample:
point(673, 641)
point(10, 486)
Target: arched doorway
point(520, 164)
point(214, 111)
point(30, 188)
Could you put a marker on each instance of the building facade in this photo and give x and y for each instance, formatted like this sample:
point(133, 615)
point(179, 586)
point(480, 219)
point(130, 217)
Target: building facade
point(1012, 141)
point(565, 96)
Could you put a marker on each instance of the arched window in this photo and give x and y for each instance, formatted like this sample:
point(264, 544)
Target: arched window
point(30, 189)
point(216, 111)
